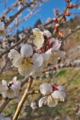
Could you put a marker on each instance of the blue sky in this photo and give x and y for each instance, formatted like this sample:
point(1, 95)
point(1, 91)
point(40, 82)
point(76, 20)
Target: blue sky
point(46, 11)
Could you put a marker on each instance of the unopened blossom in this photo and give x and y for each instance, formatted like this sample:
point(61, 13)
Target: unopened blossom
point(33, 105)
point(26, 62)
point(2, 59)
point(52, 93)
point(11, 89)
point(38, 38)
point(2, 29)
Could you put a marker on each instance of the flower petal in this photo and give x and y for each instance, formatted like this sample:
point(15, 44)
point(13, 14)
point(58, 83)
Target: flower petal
point(50, 101)
point(26, 70)
point(47, 33)
point(42, 101)
point(26, 50)
point(58, 94)
point(14, 79)
point(13, 54)
point(56, 44)
point(39, 39)
point(18, 61)
point(46, 88)
point(37, 60)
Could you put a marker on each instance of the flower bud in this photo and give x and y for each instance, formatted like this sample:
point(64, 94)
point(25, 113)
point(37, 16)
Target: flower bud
point(60, 33)
point(66, 0)
point(70, 6)
point(67, 14)
point(64, 19)
point(56, 26)
point(55, 20)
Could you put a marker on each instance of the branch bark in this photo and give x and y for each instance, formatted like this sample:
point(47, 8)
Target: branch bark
point(25, 95)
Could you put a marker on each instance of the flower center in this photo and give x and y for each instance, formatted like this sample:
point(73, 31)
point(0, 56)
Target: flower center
point(54, 87)
point(27, 61)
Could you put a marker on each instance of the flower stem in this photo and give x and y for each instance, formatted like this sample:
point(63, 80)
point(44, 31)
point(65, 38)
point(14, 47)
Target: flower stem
point(15, 117)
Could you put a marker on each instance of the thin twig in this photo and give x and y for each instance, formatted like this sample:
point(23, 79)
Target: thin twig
point(23, 99)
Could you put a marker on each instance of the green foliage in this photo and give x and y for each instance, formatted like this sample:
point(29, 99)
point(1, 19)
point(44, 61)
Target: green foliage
point(61, 72)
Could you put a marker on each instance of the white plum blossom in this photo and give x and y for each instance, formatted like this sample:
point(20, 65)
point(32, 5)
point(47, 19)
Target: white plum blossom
point(46, 89)
point(33, 105)
point(51, 56)
point(52, 93)
point(27, 62)
point(2, 59)
point(11, 89)
point(39, 39)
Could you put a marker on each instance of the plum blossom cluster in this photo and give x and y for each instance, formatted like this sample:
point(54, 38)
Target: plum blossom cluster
point(31, 61)
point(53, 94)
point(11, 89)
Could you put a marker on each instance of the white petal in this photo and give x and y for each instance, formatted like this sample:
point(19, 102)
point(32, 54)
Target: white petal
point(46, 88)
point(26, 50)
point(56, 44)
point(42, 101)
point(58, 94)
point(39, 39)
point(47, 33)
point(50, 101)
point(60, 87)
point(3, 88)
point(13, 54)
point(14, 79)
point(37, 73)
point(4, 82)
point(18, 61)
point(26, 70)
point(37, 60)
point(9, 94)
point(16, 86)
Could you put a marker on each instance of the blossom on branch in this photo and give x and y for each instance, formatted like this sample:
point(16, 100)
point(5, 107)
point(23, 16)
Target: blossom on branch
point(26, 62)
point(53, 94)
point(11, 89)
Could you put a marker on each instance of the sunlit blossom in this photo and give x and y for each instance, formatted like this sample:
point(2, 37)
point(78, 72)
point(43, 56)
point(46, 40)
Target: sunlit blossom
point(38, 38)
point(27, 62)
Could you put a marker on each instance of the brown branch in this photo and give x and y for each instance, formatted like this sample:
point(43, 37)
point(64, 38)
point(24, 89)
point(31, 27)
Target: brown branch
point(25, 95)
point(8, 50)
point(13, 17)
